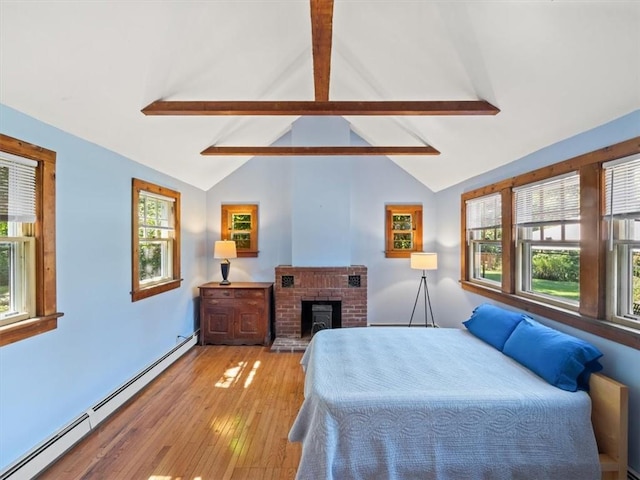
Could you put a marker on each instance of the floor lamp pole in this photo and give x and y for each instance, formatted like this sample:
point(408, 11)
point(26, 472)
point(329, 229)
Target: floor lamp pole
point(427, 302)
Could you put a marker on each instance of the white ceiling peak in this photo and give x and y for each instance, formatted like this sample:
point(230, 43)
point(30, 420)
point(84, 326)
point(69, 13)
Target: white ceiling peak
point(554, 68)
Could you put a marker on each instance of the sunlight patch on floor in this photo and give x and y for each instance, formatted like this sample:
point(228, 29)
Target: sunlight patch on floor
point(232, 375)
point(252, 373)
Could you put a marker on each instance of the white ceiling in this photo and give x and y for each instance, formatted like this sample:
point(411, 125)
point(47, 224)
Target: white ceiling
point(554, 68)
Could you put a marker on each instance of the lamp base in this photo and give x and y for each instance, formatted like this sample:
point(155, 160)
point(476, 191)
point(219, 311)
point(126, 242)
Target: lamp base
point(224, 267)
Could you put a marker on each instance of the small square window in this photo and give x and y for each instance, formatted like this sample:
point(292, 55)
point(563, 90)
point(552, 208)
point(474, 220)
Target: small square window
point(403, 230)
point(240, 224)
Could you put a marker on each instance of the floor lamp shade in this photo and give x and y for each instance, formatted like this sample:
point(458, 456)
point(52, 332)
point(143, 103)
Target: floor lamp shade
point(424, 261)
point(225, 249)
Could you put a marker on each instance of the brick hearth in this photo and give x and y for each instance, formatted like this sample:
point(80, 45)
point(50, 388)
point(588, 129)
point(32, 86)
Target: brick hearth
point(295, 284)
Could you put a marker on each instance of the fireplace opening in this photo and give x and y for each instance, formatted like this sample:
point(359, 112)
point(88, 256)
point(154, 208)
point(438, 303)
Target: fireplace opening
point(318, 315)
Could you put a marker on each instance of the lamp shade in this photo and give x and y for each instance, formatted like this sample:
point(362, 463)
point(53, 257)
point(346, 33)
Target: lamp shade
point(424, 261)
point(225, 249)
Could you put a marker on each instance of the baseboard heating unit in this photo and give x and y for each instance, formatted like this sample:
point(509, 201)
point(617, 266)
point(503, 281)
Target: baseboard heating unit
point(51, 449)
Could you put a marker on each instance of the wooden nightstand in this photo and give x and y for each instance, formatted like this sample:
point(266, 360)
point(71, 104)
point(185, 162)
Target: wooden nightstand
point(236, 314)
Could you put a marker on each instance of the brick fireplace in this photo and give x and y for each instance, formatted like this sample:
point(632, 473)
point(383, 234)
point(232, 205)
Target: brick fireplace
point(293, 285)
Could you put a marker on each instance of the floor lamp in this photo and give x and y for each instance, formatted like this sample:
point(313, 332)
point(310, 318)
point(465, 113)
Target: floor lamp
point(424, 261)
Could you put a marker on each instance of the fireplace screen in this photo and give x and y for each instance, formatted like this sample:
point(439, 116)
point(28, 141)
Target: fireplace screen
point(320, 318)
point(320, 315)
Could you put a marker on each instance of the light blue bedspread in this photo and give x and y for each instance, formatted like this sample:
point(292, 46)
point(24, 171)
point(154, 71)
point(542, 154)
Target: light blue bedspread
point(400, 403)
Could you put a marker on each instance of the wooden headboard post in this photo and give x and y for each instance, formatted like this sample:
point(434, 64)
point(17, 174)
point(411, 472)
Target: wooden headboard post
point(610, 419)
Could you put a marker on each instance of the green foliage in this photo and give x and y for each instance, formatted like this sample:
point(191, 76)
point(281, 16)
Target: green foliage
point(243, 240)
point(150, 261)
point(4, 272)
point(403, 241)
point(402, 222)
point(241, 221)
point(557, 265)
point(4, 264)
point(491, 234)
point(560, 266)
point(636, 276)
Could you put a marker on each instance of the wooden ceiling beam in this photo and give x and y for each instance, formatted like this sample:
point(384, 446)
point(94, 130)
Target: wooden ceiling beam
point(320, 151)
point(321, 36)
point(337, 108)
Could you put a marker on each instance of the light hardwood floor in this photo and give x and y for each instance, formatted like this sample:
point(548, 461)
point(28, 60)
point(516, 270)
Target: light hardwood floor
point(218, 413)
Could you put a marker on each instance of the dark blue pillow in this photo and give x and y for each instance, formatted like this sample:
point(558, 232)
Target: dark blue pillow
point(493, 324)
point(562, 360)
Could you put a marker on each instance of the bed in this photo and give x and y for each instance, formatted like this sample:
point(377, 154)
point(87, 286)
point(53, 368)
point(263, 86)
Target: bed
point(400, 403)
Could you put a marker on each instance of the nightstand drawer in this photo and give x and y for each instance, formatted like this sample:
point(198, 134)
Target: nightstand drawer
point(249, 293)
point(217, 293)
point(212, 302)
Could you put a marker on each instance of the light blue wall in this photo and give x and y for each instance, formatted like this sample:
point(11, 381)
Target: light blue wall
point(364, 185)
point(620, 362)
point(324, 184)
point(103, 339)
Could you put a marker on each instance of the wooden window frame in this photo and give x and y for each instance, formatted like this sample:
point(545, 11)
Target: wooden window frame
point(591, 314)
point(416, 211)
point(471, 243)
point(46, 314)
point(621, 308)
point(227, 210)
point(138, 292)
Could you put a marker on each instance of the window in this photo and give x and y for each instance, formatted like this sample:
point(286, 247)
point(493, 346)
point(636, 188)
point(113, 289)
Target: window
point(240, 223)
point(156, 240)
point(403, 230)
point(622, 197)
point(547, 218)
point(484, 239)
point(27, 240)
point(570, 242)
point(17, 253)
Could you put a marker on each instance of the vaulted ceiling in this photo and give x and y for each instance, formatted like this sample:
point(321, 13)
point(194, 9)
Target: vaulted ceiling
point(552, 68)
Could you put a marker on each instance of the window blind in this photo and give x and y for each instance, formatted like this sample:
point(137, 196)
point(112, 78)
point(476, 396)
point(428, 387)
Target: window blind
point(17, 189)
point(622, 187)
point(484, 212)
point(549, 201)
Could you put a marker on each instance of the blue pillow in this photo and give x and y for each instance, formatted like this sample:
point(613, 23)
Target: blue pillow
point(562, 360)
point(493, 324)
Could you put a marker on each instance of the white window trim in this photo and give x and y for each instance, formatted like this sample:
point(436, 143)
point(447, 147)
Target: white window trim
point(26, 283)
